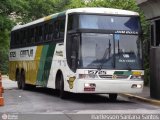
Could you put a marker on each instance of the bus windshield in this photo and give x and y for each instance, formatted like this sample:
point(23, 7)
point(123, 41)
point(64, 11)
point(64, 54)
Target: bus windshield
point(114, 51)
point(101, 22)
point(104, 42)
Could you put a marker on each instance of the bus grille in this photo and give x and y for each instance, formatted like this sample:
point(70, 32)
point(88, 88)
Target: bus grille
point(114, 76)
point(105, 76)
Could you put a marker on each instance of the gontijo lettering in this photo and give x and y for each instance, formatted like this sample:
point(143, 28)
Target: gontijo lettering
point(26, 53)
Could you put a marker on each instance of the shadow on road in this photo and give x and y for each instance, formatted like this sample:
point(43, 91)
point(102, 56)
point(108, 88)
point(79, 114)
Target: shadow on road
point(80, 98)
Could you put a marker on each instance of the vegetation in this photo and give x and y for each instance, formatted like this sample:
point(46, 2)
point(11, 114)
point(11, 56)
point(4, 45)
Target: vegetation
point(23, 11)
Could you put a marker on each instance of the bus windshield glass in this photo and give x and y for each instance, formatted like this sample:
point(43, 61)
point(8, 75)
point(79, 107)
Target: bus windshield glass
point(101, 22)
point(110, 51)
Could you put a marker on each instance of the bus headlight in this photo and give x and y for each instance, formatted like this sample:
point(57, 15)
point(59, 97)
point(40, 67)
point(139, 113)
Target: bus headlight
point(136, 86)
point(87, 76)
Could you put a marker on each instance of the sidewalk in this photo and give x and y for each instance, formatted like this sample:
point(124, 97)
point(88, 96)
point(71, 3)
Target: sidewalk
point(144, 96)
point(8, 84)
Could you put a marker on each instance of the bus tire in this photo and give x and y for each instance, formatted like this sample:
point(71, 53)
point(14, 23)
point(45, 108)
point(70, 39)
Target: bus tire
point(18, 79)
point(113, 97)
point(62, 93)
point(23, 80)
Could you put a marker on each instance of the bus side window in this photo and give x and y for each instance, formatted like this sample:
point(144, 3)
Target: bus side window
point(32, 36)
point(56, 30)
point(17, 38)
point(12, 43)
point(45, 32)
point(72, 22)
point(62, 27)
point(11, 40)
point(28, 36)
point(74, 51)
point(50, 34)
point(36, 34)
point(14, 40)
point(40, 35)
point(21, 37)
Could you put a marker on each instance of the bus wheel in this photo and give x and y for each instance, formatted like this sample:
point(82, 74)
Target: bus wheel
point(113, 97)
point(18, 79)
point(23, 80)
point(62, 93)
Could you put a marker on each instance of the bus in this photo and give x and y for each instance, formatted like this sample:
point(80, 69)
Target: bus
point(81, 50)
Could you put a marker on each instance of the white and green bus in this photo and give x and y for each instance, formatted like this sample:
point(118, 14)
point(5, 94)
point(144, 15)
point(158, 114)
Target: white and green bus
point(82, 50)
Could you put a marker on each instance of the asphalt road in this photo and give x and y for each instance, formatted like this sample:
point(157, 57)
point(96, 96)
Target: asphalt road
point(46, 101)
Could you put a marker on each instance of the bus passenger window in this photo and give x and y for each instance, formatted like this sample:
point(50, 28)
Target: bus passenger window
point(20, 38)
point(72, 22)
point(29, 36)
point(26, 36)
point(56, 30)
point(36, 35)
point(21, 34)
point(24, 40)
point(17, 38)
point(62, 27)
point(32, 35)
point(12, 40)
point(46, 32)
point(50, 34)
point(40, 38)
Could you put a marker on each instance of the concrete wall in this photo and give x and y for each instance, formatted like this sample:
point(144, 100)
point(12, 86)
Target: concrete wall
point(140, 1)
point(151, 8)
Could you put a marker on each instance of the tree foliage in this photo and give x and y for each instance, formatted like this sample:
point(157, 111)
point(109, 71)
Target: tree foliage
point(35, 9)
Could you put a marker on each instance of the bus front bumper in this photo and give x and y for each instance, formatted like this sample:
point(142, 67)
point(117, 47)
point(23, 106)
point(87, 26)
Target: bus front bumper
point(109, 86)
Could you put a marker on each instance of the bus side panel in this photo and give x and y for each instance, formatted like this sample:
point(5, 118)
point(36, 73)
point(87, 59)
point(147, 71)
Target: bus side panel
point(12, 70)
point(32, 67)
point(26, 59)
point(58, 63)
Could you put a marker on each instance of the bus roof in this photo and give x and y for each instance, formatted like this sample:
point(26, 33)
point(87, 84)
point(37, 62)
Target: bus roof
point(95, 10)
point(102, 11)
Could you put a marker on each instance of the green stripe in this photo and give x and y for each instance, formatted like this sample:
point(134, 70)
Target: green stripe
point(41, 65)
point(62, 14)
point(122, 73)
point(45, 64)
point(58, 15)
point(48, 63)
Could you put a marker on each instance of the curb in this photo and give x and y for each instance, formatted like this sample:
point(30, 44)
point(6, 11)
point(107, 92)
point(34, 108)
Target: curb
point(4, 76)
point(142, 99)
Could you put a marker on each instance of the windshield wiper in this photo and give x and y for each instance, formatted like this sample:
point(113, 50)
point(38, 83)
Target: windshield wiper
point(127, 63)
point(107, 51)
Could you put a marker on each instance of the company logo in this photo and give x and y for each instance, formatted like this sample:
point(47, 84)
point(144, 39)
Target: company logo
point(125, 55)
point(13, 54)
point(26, 53)
point(71, 81)
point(59, 53)
point(101, 72)
point(114, 77)
point(4, 116)
point(9, 116)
